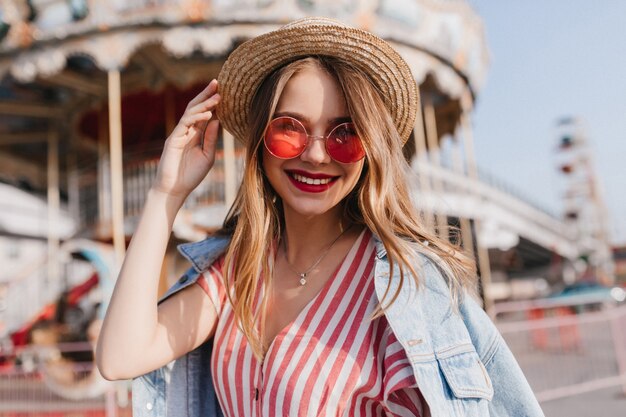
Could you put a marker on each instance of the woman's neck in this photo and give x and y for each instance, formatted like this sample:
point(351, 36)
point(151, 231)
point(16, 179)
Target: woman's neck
point(305, 237)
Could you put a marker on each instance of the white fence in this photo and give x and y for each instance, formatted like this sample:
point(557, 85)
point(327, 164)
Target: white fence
point(567, 349)
point(58, 381)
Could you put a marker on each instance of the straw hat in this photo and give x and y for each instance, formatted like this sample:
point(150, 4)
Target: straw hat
point(249, 64)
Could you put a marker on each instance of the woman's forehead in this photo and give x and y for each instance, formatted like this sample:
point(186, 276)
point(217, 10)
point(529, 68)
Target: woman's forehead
point(313, 94)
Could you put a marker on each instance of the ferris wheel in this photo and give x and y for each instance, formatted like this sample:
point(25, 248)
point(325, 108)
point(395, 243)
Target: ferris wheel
point(584, 209)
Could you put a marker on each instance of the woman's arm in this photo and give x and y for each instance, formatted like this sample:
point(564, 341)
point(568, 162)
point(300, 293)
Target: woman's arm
point(137, 336)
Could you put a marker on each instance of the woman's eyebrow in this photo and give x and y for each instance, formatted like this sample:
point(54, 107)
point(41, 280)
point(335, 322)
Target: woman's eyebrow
point(300, 117)
point(339, 120)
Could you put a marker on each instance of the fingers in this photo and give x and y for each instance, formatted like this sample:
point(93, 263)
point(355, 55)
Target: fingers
point(209, 138)
point(204, 105)
point(204, 94)
point(192, 119)
point(202, 109)
point(198, 112)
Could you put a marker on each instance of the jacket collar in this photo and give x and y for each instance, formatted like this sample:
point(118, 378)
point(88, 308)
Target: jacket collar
point(202, 254)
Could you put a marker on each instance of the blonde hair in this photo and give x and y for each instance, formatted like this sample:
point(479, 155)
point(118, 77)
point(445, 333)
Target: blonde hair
point(380, 201)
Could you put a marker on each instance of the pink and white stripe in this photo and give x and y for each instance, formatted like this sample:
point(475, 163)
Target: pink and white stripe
point(331, 361)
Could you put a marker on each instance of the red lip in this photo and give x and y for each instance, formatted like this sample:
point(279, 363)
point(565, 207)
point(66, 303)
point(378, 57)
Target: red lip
point(310, 188)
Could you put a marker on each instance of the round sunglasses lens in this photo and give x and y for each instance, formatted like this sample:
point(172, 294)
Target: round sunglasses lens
point(285, 138)
point(344, 145)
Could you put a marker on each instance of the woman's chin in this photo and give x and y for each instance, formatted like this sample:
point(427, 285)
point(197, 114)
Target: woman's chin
point(313, 209)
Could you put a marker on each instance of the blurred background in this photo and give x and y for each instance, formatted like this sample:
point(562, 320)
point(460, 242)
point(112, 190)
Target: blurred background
point(517, 155)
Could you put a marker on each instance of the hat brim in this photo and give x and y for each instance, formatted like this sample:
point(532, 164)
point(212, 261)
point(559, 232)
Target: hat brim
point(249, 64)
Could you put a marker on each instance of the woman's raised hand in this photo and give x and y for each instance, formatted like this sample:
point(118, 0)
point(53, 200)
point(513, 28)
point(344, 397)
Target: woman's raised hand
point(189, 152)
point(155, 338)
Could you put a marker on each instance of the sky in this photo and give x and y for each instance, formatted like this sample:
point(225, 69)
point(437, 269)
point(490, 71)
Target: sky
point(551, 59)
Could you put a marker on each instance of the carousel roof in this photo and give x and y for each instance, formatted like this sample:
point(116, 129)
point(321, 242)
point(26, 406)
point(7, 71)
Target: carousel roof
point(440, 37)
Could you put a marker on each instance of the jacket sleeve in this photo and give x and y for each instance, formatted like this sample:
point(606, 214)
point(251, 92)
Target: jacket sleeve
point(148, 397)
point(512, 393)
point(182, 388)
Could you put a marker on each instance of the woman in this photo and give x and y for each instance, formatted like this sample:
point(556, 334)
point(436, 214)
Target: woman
point(322, 294)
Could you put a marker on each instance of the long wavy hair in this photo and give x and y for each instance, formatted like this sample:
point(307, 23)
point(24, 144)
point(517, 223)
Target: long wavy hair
point(380, 200)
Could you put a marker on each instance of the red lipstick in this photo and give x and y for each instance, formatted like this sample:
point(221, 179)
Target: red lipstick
point(295, 176)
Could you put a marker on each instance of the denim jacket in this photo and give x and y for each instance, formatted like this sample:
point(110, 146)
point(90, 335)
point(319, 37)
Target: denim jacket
point(461, 363)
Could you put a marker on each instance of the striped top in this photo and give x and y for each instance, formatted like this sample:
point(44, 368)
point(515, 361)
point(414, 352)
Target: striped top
point(332, 360)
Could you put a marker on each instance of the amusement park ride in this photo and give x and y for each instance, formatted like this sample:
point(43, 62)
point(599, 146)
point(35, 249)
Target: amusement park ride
point(584, 208)
point(90, 89)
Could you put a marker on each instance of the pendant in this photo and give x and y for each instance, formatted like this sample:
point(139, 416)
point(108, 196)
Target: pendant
point(303, 279)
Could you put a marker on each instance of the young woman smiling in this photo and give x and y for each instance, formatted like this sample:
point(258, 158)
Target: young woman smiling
point(322, 294)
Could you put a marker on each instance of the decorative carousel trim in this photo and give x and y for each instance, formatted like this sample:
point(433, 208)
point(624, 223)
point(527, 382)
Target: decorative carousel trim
point(113, 50)
point(463, 46)
point(422, 64)
point(452, 30)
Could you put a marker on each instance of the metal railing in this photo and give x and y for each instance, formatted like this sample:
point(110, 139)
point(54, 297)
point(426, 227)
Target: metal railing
point(487, 188)
point(514, 191)
point(564, 348)
point(139, 174)
point(442, 190)
point(51, 380)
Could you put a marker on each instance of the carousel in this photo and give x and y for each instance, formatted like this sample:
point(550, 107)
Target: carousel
point(90, 89)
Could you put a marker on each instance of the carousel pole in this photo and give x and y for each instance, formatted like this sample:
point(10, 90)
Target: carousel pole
point(466, 228)
point(434, 153)
point(115, 151)
point(54, 203)
point(422, 158)
point(482, 252)
point(73, 180)
point(104, 175)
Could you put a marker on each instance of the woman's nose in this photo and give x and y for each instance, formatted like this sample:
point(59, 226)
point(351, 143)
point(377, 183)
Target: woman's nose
point(315, 151)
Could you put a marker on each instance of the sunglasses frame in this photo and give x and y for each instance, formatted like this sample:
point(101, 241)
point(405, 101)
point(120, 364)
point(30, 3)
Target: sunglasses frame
point(309, 138)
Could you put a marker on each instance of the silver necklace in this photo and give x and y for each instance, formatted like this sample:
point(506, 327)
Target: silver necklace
point(303, 275)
